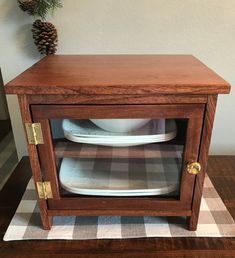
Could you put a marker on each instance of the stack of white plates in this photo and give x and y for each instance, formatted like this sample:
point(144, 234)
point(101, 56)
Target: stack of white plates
point(84, 131)
point(94, 177)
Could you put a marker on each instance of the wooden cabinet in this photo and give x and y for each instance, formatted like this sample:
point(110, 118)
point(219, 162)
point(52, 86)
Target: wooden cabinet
point(174, 88)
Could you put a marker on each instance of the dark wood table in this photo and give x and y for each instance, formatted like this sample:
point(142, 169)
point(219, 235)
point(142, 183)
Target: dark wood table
point(221, 171)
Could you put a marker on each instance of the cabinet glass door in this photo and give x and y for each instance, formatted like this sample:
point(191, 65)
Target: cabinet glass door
point(119, 153)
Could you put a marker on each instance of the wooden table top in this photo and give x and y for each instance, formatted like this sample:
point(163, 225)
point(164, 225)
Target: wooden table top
point(118, 74)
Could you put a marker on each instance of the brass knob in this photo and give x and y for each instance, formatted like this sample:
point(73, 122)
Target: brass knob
point(193, 168)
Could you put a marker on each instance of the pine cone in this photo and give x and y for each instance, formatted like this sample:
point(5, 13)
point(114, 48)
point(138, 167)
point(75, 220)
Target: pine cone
point(29, 6)
point(45, 37)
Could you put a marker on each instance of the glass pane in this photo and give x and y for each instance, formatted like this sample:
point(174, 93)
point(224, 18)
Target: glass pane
point(119, 157)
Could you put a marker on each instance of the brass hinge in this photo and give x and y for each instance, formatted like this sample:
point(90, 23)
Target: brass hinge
point(34, 133)
point(44, 190)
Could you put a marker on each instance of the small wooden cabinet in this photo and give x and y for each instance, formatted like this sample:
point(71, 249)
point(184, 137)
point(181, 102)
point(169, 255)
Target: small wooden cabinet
point(176, 88)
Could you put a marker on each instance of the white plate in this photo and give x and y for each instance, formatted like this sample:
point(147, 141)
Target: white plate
point(120, 143)
point(84, 131)
point(82, 177)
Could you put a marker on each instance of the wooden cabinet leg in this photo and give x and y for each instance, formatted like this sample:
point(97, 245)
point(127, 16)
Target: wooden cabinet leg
point(46, 221)
point(193, 219)
point(192, 222)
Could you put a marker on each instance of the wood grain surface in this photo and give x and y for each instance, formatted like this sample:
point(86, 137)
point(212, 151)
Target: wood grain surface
point(116, 111)
point(117, 99)
point(118, 74)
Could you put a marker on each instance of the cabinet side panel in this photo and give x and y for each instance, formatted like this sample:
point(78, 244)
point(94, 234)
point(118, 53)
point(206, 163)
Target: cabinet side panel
point(203, 157)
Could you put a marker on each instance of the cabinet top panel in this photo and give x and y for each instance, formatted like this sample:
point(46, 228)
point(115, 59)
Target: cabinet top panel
point(118, 74)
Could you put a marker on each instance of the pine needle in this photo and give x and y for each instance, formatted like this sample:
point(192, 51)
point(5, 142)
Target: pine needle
point(44, 6)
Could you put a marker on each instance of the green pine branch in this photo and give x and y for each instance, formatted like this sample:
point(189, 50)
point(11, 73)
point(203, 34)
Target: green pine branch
point(44, 6)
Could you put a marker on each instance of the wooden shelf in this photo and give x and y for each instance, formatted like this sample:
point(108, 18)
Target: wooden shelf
point(73, 149)
point(66, 148)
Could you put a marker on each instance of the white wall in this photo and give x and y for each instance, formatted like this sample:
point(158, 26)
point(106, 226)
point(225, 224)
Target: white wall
point(17, 53)
point(205, 29)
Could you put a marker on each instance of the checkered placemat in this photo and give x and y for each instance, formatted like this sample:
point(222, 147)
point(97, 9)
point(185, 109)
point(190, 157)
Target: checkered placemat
point(214, 221)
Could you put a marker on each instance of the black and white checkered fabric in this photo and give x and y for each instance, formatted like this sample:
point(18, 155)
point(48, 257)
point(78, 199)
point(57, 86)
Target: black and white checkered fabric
point(214, 221)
